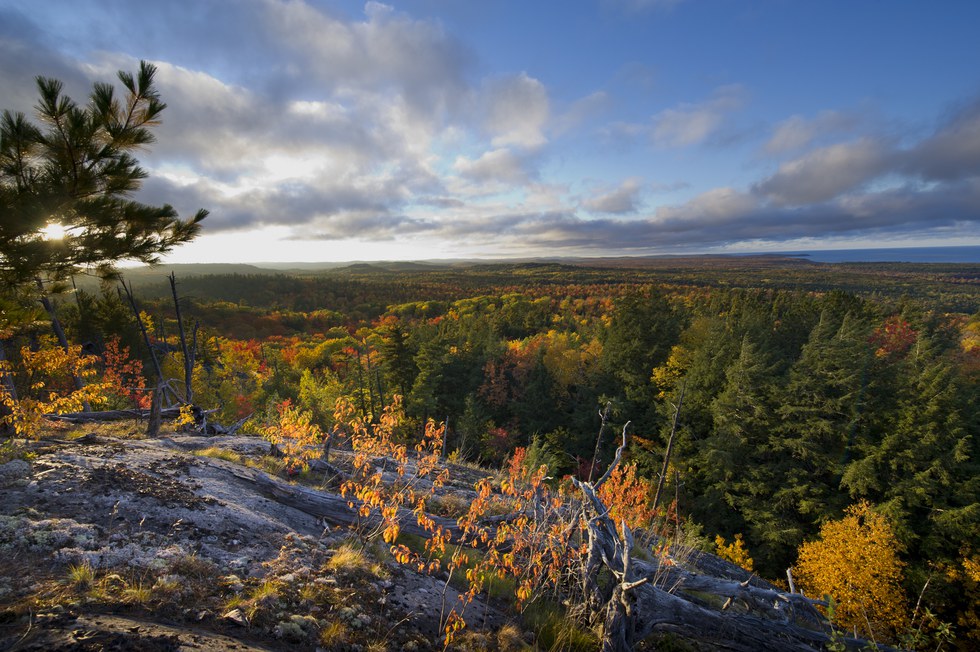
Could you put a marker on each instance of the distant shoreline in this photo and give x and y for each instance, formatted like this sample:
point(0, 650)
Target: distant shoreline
point(942, 255)
point(889, 255)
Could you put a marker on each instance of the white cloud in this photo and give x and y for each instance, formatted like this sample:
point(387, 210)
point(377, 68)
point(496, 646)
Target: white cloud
point(826, 173)
point(495, 166)
point(623, 199)
point(692, 124)
point(953, 151)
point(387, 50)
point(718, 205)
point(517, 111)
point(580, 111)
point(797, 132)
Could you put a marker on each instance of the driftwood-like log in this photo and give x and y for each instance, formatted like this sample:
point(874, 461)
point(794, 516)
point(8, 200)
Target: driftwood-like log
point(789, 607)
point(319, 465)
point(202, 424)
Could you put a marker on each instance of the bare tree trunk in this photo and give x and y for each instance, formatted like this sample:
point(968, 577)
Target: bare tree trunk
point(153, 425)
point(604, 415)
point(670, 447)
point(188, 352)
point(445, 437)
point(146, 340)
point(8, 380)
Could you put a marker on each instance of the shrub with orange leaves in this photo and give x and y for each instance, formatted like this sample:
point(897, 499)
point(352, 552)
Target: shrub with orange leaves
point(367, 488)
point(124, 374)
point(628, 498)
point(295, 434)
point(536, 549)
point(856, 562)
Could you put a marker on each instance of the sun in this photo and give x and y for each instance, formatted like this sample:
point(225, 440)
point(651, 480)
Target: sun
point(53, 231)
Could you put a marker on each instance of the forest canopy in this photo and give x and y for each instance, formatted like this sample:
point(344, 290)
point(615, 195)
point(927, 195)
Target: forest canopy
point(798, 403)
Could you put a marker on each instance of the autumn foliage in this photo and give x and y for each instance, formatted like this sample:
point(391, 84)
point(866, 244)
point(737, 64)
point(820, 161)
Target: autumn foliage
point(856, 563)
point(124, 375)
point(628, 497)
point(46, 375)
point(296, 436)
point(735, 552)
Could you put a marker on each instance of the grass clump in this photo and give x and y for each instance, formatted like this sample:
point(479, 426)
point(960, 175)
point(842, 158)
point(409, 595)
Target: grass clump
point(351, 559)
point(81, 577)
point(555, 631)
point(333, 636)
point(269, 464)
point(219, 453)
point(137, 593)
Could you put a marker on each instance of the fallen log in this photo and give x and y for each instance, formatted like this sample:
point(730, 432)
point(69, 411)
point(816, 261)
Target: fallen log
point(318, 464)
point(333, 508)
point(788, 607)
point(657, 611)
point(200, 418)
point(112, 415)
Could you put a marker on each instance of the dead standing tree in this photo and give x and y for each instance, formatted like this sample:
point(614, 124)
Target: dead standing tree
point(188, 351)
point(606, 547)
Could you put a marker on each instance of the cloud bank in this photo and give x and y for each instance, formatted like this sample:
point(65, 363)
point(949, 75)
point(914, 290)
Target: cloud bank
point(380, 126)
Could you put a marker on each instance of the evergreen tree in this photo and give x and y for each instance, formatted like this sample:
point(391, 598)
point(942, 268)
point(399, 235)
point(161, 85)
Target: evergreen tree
point(735, 457)
point(823, 413)
point(924, 468)
point(641, 332)
point(397, 356)
point(76, 174)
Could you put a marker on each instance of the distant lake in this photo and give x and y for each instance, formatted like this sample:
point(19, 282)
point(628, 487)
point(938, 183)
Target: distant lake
point(896, 255)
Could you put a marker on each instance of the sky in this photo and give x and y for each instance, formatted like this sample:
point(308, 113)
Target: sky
point(319, 130)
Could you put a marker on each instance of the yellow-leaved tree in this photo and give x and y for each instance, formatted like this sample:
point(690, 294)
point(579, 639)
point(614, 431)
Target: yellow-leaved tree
point(47, 388)
point(735, 552)
point(856, 563)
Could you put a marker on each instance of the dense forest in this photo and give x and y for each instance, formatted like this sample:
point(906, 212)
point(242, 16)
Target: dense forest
point(794, 399)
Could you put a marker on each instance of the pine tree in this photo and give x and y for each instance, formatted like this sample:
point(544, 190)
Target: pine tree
point(737, 454)
point(76, 173)
point(823, 413)
point(924, 468)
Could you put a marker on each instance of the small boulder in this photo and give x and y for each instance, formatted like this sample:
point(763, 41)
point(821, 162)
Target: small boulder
point(236, 616)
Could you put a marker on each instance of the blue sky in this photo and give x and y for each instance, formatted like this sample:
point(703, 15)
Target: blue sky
point(317, 130)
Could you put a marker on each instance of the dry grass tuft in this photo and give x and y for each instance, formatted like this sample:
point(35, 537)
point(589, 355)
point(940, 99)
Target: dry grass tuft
point(220, 454)
point(350, 559)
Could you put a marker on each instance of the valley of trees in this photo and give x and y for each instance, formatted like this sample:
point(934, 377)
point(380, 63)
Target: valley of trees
point(799, 403)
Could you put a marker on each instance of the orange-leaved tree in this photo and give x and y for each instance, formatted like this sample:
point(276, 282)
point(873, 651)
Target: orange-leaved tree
point(856, 563)
point(628, 498)
point(124, 375)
